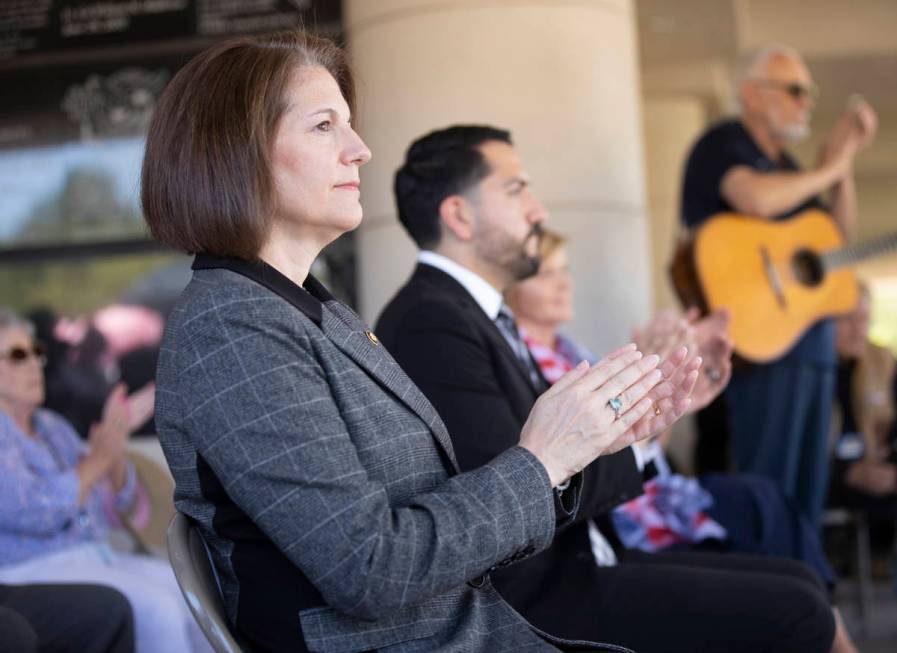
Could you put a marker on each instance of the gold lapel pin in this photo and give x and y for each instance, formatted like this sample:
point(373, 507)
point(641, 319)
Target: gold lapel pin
point(372, 337)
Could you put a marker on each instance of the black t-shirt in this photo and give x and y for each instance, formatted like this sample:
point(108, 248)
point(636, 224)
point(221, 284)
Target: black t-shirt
point(722, 147)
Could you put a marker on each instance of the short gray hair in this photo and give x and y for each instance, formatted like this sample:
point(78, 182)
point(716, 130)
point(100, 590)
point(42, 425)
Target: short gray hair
point(9, 319)
point(753, 65)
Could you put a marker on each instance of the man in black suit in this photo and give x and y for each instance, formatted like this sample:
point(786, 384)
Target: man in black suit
point(464, 197)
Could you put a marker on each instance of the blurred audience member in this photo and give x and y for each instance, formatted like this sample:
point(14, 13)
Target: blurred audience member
point(83, 382)
point(64, 619)
point(864, 466)
point(86, 357)
point(61, 497)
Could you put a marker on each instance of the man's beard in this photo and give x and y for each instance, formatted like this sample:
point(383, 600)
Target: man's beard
point(525, 266)
point(789, 133)
point(506, 255)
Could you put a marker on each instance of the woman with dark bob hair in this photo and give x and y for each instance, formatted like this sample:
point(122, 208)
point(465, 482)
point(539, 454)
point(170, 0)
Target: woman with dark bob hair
point(321, 478)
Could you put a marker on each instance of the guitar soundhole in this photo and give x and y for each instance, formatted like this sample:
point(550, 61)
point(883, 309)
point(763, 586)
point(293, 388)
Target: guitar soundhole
point(808, 268)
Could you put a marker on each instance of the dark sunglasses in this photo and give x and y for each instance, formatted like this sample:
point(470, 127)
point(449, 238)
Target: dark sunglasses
point(795, 90)
point(18, 355)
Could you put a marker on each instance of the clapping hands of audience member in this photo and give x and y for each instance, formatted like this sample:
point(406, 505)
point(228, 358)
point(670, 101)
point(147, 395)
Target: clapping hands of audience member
point(672, 398)
point(877, 477)
point(140, 406)
point(675, 339)
point(574, 421)
point(706, 337)
point(666, 331)
point(715, 348)
point(873, 473)
point(108, 438)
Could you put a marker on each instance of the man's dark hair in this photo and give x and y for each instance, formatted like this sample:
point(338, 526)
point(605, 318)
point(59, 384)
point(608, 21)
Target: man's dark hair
point(441, 164)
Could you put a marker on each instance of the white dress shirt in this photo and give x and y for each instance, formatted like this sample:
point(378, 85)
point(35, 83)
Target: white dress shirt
point(483, 292)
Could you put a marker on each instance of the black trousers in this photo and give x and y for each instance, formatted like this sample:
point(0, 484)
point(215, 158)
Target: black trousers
point(64, 618)
point(692, 603)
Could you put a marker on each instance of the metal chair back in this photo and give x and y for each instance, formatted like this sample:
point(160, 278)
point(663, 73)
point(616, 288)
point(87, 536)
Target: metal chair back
point(196, 577)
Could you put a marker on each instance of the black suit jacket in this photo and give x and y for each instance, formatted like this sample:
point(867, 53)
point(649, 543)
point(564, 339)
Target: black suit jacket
point(453, 352)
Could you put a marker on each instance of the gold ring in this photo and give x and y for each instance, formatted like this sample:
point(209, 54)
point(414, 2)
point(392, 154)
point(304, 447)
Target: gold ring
point(657, 411)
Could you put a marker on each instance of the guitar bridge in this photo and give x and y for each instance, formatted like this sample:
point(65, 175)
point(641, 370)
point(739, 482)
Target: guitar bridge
point(772, 275)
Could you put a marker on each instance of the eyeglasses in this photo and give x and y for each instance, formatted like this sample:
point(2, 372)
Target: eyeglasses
point(18, 355)
point(795, 90)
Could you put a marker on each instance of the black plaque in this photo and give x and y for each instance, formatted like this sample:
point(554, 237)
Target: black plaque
point(30, 27)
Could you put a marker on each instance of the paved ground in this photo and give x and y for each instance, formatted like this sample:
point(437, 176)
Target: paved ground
point(882, 633)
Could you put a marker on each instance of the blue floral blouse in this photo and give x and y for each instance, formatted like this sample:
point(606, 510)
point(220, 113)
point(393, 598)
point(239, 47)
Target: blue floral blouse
point(39, 508)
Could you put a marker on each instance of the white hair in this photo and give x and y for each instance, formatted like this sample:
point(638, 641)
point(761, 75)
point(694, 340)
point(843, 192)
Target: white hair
point(10, 320)
point(753, 65)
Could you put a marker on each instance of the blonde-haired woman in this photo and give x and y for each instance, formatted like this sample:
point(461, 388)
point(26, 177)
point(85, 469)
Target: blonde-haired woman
point(742, 514)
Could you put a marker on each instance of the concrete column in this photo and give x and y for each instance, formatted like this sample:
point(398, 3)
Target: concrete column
point(672, 124)
point(562, 75)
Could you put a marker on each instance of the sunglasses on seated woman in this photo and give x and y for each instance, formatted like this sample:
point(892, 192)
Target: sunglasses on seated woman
point(18, 355)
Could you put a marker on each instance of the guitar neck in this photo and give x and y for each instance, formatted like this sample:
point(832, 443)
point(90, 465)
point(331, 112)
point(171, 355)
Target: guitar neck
point(853, 254)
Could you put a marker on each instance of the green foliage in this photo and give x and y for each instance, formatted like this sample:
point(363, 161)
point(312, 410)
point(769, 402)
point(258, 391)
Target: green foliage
point(85, 208)
point(75, 287)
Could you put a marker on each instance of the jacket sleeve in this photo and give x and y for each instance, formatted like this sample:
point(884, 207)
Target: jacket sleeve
point(609, 482)
point(455, 368)
point(439, 347)
point(262, 414)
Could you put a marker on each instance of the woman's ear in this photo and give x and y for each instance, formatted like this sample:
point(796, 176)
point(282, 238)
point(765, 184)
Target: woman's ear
point(457, 217)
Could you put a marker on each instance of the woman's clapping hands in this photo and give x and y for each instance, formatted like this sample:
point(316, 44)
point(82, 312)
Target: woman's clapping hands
point(574, 421)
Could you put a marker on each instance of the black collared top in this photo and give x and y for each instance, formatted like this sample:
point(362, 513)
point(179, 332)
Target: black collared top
point(308, 298)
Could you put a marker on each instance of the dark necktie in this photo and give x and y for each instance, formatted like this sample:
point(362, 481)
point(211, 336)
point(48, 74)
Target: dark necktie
point(508, 327)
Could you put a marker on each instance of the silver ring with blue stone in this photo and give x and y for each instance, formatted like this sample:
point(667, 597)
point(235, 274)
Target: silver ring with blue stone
point(616, 405)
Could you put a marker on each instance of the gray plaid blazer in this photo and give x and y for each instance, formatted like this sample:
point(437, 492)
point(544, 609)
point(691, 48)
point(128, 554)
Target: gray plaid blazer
point(325, 483)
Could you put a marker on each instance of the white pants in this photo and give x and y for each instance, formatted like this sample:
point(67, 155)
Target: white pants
point(162, 620)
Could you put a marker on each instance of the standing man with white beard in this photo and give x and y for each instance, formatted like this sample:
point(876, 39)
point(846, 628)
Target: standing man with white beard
point(779, 412)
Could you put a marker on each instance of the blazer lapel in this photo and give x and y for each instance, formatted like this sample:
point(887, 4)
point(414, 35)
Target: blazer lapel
point(448, 284)
point(347, 332)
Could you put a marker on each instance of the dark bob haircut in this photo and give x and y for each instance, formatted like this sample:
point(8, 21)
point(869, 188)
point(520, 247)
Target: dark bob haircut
point(441, 164)
point(206, 182)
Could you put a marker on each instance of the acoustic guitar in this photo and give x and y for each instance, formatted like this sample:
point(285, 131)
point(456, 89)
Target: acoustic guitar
point(775, 278)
